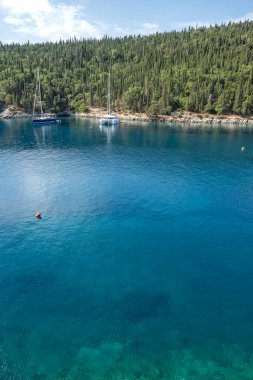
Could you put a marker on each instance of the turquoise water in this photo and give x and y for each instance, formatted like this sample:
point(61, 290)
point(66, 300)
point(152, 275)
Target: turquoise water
point(142, 265)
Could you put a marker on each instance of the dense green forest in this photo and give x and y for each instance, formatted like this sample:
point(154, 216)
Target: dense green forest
point(202, 70)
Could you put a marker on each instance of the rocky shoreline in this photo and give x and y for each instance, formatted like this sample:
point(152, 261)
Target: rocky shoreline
point(210, 120)
point(14, 114)
point(10, 114)
point(181, 119)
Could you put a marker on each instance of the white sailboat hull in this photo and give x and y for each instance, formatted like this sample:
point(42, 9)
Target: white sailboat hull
point(109, 120)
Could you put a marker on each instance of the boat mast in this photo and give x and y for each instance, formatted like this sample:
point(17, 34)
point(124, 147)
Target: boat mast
point(41, 110)
point(109, 95)
point(35, 96)
point(37, 89)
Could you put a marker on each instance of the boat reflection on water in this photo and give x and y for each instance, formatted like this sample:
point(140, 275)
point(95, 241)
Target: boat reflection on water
point(40, 135)
point(109, 130)
point(44, 136)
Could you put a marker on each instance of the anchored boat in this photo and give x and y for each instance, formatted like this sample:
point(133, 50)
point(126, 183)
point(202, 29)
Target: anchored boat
point(41, 118)
point(109, 119)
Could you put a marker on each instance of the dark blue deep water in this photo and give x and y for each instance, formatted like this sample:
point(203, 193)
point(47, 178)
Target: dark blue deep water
point(142, 265)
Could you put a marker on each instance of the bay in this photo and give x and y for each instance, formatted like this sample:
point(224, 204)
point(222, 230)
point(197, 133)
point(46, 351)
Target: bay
point(141, 266)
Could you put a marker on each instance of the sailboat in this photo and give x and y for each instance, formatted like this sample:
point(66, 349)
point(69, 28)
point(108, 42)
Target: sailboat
point(41, 118)
point(109, 119)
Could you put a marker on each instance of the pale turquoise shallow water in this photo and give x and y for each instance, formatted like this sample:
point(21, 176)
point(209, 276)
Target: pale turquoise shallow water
point(142, 266)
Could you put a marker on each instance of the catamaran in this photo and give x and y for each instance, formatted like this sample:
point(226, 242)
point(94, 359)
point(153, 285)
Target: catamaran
point(109, 119)
point(41, 118)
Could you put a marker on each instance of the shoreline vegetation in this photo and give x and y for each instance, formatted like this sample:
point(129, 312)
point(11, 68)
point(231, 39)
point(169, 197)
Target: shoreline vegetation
point(175, 117)
point(197, 71)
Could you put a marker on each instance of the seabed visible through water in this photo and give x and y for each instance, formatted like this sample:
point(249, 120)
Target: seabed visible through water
point(141, 266)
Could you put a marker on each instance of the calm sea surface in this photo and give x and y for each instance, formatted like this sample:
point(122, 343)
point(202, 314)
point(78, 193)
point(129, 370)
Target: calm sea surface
point(142, 265)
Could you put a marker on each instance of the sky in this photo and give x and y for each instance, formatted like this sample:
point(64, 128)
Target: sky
point(52, 20)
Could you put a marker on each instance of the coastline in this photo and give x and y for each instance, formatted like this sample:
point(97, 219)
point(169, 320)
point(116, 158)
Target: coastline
point(184, 118)
point(176, 118)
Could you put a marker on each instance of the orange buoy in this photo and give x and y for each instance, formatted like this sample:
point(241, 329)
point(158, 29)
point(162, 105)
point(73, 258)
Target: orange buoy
point(38, 215)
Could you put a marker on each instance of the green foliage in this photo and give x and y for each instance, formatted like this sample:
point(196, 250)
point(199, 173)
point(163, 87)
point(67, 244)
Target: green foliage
point(153, 109)
point(133, 98)
point(78, 103)
point(165, 111)
point(197, 70)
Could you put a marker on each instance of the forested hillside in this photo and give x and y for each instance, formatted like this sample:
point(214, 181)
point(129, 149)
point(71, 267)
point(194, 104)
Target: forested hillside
point(203, 70)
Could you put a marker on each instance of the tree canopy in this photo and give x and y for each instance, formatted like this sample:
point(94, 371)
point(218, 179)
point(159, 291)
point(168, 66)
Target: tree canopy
point(199, 70)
